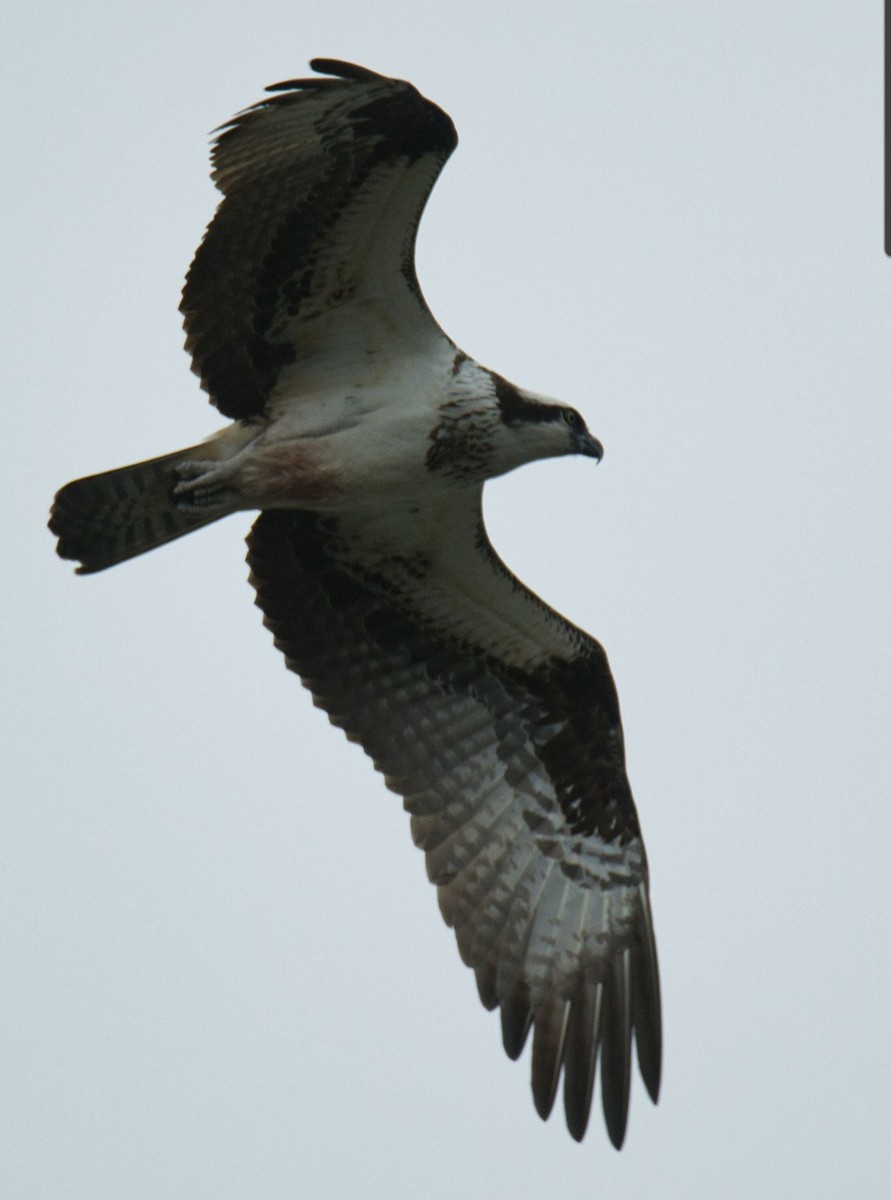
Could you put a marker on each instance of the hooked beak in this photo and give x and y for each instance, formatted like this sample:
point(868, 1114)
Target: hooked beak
point(586, 443)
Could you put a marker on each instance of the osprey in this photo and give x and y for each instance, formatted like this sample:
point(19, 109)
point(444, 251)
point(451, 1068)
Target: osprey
point(364, 437)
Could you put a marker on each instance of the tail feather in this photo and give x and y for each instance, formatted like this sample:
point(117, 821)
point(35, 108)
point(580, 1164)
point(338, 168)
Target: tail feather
point(105, 519)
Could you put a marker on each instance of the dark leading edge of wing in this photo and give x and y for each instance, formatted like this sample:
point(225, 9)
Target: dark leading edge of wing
point(291, 169)
point(521, 858)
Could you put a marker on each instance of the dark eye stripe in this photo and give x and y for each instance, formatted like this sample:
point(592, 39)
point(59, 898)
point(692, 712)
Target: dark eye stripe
point(516, 408)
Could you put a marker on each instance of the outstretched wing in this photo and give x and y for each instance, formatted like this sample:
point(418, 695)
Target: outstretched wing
point(324, 184)
point(512, 767)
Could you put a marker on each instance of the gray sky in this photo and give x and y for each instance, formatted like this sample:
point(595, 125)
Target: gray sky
point(224, 973)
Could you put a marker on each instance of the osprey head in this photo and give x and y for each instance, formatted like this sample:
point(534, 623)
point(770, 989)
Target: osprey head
point(535, 427)
point(486, 431)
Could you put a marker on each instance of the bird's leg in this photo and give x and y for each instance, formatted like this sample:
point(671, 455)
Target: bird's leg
point(205, 485)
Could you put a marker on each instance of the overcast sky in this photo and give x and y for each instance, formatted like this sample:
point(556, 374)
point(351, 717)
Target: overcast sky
point(223, 971)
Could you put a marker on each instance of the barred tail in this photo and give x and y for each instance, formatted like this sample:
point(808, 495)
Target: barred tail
point(105, 519)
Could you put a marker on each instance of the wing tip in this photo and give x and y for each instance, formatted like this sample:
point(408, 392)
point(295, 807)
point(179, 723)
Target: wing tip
point(647, 1003)
point(516, 1021)
point(580, 1063)
point(343, 70)
point(615, 1058)
point(332, 70)
point(548, 1049)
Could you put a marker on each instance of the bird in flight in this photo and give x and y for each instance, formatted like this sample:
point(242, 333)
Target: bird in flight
point(364, 436)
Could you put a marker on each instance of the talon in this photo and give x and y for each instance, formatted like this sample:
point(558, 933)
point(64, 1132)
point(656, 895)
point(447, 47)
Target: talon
point(201, 485)
point(194, 468)
point(193, 487)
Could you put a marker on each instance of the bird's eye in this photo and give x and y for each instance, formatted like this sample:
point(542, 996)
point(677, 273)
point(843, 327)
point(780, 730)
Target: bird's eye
point(570, 416)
